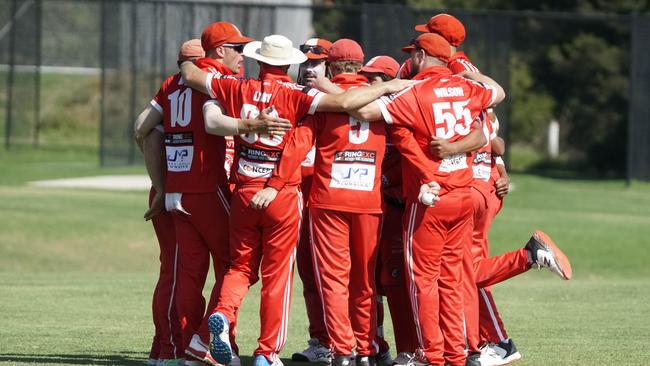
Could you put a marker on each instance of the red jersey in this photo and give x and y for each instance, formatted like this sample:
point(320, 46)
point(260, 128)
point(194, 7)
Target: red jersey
point(194, 157)
point(219, 69)
point(459, 63)
point(441, 105)
point(256, 156)
point(349, 152)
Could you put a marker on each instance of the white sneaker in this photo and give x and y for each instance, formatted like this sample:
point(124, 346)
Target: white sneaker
point(403, 359)
point(503, 353)
point(315, 352)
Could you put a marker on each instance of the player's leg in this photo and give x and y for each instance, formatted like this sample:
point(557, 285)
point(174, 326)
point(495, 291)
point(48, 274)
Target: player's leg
point(393, 283)
point(364, 237)
point(330, 232)
point(193, 264)
point(455, 209)
point(423, 243)
point(167, 341)
point(211, 218)
point(281, 227)
point(246, 254)
point(318, 348)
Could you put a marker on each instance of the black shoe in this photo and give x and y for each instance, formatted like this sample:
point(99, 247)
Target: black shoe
point(341, 361)
point(473, 360)
point(545, 254)
point(365, 361)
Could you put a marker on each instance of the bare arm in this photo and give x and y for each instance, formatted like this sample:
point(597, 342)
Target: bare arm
point(155, 161)
point(476, 76)
point(359, 97)
point(503, 183)
point(149, 118)
point(472, 142)
point(326, 85)
point(498, 146)
point(194, 77)
point(217, 123)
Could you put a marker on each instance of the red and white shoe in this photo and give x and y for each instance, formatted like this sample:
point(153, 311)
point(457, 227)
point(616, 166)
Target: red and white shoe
point(545, 254)
point(199, 351)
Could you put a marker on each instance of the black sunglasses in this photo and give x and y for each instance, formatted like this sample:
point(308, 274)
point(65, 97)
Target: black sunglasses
point(317, 50)
point(239, 48)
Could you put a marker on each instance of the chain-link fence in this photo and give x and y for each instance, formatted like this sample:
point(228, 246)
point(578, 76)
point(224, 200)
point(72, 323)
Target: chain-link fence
point(591, 73)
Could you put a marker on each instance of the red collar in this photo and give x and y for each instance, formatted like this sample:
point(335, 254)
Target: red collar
point(433, 71)
point(349, 80)
point(272, 74)
point(459, 55)
point(206, 63)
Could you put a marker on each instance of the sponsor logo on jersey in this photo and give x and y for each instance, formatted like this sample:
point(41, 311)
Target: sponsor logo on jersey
point(179, 138)
point(454, 91)
point(250, 153)
point(453, 163)
point(179, 158)
point(255, 170)
point(483, 157)
point(355, 176)
point(355, 156)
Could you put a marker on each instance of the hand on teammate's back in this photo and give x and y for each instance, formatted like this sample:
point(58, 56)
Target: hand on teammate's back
point(269, 122)
point(397, 85)
point(502, 185)
point(263, 198)
point(441, 148)
point(157, 206)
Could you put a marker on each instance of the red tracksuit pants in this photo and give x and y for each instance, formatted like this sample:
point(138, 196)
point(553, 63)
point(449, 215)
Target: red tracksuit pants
point(263, 241)
point(201, 234)
point(434, 239)
point(392, 280)
point(345, 253)
point(486, 324)
point(166, 343)
point(305, 265)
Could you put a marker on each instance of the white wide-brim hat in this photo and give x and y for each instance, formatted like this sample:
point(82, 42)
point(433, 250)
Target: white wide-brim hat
point(274, 50)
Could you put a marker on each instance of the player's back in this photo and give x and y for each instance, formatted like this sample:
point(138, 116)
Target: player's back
point(349, 152)
point(194, 158)
point(256, 155)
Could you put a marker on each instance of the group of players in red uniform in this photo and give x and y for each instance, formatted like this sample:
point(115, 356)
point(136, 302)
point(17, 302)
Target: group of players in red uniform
point(377, 179)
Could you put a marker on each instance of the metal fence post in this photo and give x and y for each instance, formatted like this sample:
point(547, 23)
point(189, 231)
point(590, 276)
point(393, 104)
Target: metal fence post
point(10, 75)
point(37, 78)
point(134, 81)
point(102, 60)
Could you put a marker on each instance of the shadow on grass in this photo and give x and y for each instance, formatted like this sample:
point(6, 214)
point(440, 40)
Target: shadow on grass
point(138, 359)
point(85, 359)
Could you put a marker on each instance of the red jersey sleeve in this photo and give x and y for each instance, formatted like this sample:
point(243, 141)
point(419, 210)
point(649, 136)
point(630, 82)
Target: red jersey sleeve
point(399, 112)
point(304, 98)
point(460, 62)
point(159, 98)
point(297, 147)
point(222, 88)
point(484, 95)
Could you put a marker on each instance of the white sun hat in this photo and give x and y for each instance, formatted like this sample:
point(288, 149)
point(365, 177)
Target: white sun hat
point(274, 50)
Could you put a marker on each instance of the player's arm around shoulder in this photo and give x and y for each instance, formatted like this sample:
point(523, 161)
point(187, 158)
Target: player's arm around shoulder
point(194, 77)
point(499, 94)
point(356, 98)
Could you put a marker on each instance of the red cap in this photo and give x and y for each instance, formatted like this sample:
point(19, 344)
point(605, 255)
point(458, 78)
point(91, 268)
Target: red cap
point(449, 27)
point(316, 48)
point(433, 44)
point(191, 49)
point(406, 70)
point(216, 34)
point(382, 64)
point(345, 50)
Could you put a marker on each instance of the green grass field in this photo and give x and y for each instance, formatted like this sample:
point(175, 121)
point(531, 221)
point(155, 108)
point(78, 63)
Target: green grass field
point(77, 270)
